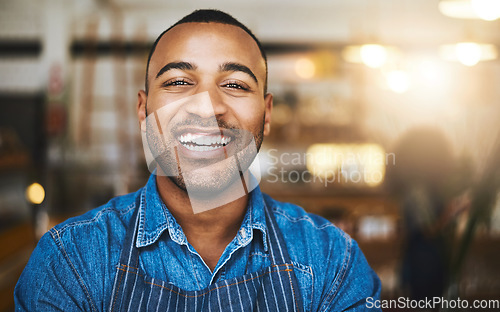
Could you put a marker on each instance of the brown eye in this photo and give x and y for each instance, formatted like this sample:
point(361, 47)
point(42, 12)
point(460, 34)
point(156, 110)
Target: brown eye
point(235, 85)
point(177, 82)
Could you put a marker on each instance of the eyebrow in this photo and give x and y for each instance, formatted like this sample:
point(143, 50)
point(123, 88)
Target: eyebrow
point(236, 67)
point(175, 65)
point(226, 67)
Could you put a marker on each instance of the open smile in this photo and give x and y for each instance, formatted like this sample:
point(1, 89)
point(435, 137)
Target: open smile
point(203, 142)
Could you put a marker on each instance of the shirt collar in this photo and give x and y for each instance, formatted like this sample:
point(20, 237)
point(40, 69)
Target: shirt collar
point(155, 218)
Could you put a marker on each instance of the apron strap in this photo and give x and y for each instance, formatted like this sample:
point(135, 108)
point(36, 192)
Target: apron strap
point(129, 260)
point(130, 254)
point(276, 242)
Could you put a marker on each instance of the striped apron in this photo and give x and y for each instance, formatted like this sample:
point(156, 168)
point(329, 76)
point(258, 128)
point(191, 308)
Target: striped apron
point(274, 288)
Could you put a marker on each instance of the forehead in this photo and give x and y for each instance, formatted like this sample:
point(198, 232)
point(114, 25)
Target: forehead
point(202, 43)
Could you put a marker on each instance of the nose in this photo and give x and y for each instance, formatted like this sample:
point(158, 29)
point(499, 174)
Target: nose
point(210, 103)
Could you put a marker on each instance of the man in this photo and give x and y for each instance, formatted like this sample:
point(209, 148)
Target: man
point(204, 113)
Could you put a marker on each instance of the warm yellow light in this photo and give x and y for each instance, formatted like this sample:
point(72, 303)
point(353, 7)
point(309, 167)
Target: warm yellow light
point(488, 10)
point(374, 164)
point(373, 55)
point(457, 8)
point(398, 81)
point(352, 54)
point(322, 160)
point(468, 53)
point(35, 193)
point(305, 68)
point(348, 163)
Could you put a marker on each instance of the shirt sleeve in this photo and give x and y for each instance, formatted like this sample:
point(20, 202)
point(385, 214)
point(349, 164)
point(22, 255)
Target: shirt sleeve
point(355, 287)
point(50, 282)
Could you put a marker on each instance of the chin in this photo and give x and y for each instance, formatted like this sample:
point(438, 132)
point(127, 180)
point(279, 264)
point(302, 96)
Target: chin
point(203, 184)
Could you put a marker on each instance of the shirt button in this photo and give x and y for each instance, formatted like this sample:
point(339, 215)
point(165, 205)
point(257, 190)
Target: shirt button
point(243, 233)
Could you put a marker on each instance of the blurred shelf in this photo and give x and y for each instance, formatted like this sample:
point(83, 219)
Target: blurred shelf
point(17, 244)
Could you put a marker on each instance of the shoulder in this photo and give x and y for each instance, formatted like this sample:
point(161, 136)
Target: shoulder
point(327, 259)
point(96, 235)
point(77, 257)
point(115, 210)
point(312, 241)
point(306, 227)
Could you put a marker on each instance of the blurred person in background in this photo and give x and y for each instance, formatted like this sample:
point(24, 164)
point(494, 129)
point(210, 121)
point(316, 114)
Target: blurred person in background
point(150, 251)
point(425, 179)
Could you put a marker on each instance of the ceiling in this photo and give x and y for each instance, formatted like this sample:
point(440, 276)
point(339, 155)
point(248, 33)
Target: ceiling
point(403, 22)
point(406, 23)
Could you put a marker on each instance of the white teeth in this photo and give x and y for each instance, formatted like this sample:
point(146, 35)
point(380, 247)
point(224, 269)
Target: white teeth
point(197, 141)
point(225, 140)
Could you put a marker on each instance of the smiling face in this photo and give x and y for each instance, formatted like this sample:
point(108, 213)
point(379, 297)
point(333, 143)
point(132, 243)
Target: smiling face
point(206, 91)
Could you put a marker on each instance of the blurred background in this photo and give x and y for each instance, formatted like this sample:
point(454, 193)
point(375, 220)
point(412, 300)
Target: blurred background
point(386, 121)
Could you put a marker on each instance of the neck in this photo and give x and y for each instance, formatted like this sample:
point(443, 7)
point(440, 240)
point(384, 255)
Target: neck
point(209, 232)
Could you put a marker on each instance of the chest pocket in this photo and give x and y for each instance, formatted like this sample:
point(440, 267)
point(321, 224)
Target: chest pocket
point(305, 279)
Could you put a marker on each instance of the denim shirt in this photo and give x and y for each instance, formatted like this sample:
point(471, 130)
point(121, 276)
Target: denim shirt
point(74, 264)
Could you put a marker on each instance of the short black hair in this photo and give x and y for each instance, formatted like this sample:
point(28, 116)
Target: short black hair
point(208, 16)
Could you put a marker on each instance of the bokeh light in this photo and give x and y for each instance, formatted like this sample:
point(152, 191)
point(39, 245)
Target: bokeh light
point(398, 81)
point(468, 53)
point(488, 10)
point(373, 55)
point(35, 193)
point(305, 68)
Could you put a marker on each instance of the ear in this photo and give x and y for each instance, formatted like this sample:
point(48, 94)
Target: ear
point(141, 108)
point(268, 101)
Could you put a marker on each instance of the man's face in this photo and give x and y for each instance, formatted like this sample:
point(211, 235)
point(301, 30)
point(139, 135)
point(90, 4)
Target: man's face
point(206, 91)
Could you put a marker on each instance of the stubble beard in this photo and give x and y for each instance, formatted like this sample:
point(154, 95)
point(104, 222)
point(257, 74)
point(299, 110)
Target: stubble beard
point(220, 178)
